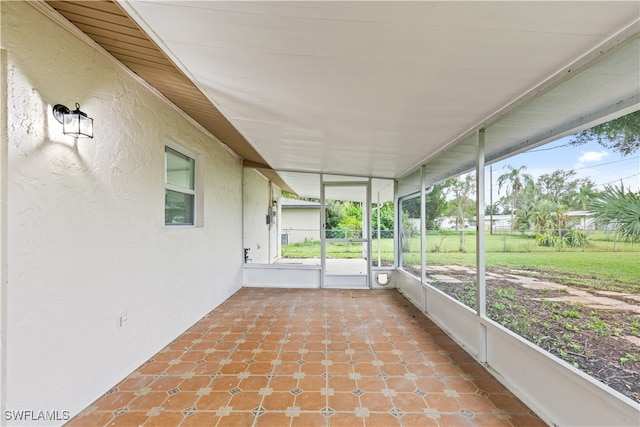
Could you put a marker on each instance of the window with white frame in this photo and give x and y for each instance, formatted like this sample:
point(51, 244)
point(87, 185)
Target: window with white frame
point(179, 187)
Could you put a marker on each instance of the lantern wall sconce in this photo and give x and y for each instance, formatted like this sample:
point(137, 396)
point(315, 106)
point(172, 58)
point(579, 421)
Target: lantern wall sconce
point(75, 123)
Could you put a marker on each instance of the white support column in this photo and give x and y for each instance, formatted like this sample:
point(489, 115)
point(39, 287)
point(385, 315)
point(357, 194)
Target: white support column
point(480, 247)
point(423, 228)
point(423, 236)
point(396, 226)
point(378, 231)
point(4, 195)
point(323, 233)
point(369, 232)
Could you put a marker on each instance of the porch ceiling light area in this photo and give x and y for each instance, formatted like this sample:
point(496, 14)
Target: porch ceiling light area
point(75, 123)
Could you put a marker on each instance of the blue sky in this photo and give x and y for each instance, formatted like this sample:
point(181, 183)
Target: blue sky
point(591, 160)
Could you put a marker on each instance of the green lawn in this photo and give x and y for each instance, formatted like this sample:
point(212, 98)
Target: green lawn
point(618, 271)
point(596, 267)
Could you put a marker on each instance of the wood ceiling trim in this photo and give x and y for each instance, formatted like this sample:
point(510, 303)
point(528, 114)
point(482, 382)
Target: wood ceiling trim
point(96, 11)
point(119, 53)
point(106, 23)
point(132, 61)
point(110, 31)
point(114, 37)
point(105, 6)
point(111, 45)
point(106, 26)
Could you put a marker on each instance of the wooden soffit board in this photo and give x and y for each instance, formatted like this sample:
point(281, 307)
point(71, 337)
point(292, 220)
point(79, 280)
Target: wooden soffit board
point(106, 23)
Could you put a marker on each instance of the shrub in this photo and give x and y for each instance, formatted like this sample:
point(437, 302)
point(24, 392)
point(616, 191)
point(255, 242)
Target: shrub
point(568, 239)
point(575, 239)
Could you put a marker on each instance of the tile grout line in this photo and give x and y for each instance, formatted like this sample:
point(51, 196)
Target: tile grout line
point(384, 330)
point(325, 319)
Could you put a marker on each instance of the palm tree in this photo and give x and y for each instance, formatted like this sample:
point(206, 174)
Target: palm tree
point(545, 215)
point(618, 210)
point(585, 194)
point(524, 217)
point(514, 182)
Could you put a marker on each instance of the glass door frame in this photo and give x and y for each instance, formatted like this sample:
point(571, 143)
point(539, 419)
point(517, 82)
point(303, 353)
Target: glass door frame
point(366, 231)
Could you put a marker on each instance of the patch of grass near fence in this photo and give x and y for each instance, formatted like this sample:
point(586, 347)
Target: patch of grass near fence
point(596, 267)
point(449, 241)
point(611, 271)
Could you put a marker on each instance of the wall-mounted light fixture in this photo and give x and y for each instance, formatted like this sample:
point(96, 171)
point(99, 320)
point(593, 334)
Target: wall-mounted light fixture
point(75, 123)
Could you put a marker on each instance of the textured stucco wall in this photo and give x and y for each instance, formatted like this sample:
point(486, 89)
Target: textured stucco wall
point(301, 224)
point(260, 238)
point(86, 240)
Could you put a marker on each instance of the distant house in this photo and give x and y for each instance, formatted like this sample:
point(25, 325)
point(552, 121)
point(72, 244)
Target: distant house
point(300, 220)
point(579, 220)
point(500, 222)
point(449, 223)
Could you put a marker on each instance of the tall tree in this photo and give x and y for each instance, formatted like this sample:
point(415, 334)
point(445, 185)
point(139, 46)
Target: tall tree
point(568, 193)
point(525, 216)
point(558, 185)
point(462, 205)
point(621, 134)
point(386, 219)
point(492, 209)
point(435, 203)
point(409, 211)
point(334, 215)
point(350, 224)
point(514, 181)
point(585, 195)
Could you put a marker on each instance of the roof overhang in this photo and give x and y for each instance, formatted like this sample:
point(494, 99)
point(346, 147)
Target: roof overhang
point(377, 89)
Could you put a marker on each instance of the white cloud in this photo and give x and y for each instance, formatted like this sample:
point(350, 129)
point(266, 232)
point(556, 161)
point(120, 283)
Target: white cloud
point(590, 157)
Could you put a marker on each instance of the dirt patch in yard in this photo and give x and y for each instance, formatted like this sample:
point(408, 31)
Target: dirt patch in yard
point(598, 333)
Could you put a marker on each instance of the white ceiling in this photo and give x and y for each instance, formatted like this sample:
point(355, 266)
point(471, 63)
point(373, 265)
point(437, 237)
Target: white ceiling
point(371, 88)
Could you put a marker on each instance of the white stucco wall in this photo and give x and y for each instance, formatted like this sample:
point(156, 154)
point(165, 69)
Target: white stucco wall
point(301, 223)
point(86, 240)
point(261, 238)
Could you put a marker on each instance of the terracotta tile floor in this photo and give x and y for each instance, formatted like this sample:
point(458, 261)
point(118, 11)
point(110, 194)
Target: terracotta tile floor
point(310, 357)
